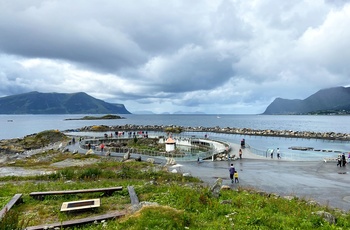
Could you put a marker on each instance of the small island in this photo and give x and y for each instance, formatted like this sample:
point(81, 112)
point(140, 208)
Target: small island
point(105, 117)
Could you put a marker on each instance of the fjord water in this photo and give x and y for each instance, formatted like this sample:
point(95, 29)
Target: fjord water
point(13, 126)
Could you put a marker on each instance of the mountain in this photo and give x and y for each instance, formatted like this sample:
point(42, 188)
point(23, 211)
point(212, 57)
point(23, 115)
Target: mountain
point(325, 101)
point(57, 103)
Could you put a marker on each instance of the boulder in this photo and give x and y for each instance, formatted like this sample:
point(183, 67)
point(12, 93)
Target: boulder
point(225, 187)
point(215, 189)
point(326, 216)
point(150, 160)
point(127, 156)
point(90, 151)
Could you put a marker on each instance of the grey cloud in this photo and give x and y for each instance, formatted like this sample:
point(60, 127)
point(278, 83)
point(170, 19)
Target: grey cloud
point(200, 55)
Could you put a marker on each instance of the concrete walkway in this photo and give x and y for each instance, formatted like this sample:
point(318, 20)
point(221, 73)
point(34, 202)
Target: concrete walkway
point(319, 181)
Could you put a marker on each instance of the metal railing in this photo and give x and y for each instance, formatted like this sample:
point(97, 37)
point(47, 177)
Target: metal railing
point(182, 156)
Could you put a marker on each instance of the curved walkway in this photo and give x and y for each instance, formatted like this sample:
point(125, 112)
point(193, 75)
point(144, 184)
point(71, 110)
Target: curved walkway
point(312, 180)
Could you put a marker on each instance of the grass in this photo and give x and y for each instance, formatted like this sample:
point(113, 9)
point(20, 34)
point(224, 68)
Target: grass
point(182, 202)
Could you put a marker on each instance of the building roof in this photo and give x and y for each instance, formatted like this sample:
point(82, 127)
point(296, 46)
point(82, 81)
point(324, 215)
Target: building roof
point(170, 141)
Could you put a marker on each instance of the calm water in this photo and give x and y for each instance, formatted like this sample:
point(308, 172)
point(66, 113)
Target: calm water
point(12, 126)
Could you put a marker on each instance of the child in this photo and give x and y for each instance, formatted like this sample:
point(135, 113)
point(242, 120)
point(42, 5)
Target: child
point(236, 177)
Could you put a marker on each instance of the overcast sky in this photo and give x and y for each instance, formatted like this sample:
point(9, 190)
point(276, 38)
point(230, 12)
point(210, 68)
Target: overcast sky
point(212, 56)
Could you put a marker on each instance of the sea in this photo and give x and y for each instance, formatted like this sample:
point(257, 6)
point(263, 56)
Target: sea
point(18, 126)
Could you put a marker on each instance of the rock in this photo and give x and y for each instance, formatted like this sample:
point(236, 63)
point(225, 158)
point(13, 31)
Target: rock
point(215, 189)
point(171, 161)
point(326, 216)
point(142, 204)
point(186, 174)
point(226, 202)
point(127, 156)
point(225, 187)
point(150, 160)
point(288, 197)
point(90, 151)
point(174, 171)
point(138, 158)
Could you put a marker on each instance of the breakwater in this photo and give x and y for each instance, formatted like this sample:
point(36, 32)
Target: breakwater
point(227, 130)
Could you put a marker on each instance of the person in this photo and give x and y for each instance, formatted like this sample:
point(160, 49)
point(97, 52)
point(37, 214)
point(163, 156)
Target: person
point(339, 160)
point(278, 153)
point(232, 172)
point(102, 146)
point(240, 153)
point(343, 159)
point(236, 177)
point(243, 143)
point(271, 153)
point(89, 146)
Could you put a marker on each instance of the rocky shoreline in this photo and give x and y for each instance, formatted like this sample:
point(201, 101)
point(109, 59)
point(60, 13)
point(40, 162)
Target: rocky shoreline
point(227, 130)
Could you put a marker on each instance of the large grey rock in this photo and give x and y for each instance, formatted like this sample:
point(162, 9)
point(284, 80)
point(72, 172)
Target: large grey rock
point(127, 156)
point(215, 189)
point(326, 216)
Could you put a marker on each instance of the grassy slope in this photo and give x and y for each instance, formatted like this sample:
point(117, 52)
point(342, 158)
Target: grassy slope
point(184, 203)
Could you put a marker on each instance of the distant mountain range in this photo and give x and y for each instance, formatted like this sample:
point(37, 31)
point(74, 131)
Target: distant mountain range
point(58, 103)
point(326, 101)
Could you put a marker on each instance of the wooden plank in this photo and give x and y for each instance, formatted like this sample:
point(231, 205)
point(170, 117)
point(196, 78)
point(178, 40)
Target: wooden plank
point(76, 222)
point(17, 198)
point(107, 191)
point(133, 197)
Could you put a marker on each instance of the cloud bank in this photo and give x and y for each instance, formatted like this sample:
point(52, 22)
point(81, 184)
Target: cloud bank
point(213, 56)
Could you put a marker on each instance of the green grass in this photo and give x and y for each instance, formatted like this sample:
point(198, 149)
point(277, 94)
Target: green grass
point(183, 202)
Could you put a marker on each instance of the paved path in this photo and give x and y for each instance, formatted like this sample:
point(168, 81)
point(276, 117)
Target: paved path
point(323, 182)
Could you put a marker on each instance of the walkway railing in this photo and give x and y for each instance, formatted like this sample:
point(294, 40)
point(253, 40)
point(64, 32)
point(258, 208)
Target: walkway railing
point(182, 156)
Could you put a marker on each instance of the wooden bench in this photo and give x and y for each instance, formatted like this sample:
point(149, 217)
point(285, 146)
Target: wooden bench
point(17, 198)
point(76, 222)
point(133, 197)
point(106, 191)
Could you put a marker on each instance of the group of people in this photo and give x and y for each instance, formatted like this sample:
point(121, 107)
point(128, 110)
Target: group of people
point(277, 152)
point(233, 174)
point(341, 160)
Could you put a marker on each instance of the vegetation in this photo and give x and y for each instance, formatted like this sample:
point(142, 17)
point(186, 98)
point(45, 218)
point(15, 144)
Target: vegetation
point(173, 129)
point(183, 202)
point(105, 117)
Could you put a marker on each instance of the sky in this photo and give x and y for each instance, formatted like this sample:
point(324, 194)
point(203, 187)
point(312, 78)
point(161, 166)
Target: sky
point(210, 56)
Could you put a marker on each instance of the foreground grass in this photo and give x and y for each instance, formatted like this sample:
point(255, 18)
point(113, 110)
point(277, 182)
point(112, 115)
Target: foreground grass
point(183, 202)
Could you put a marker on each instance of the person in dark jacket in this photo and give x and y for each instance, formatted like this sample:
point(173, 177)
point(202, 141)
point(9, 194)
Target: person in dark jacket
point(232, 172)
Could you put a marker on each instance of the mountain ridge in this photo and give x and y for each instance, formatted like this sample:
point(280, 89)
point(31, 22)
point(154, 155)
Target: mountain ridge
point(58, 103)
point(327, 101)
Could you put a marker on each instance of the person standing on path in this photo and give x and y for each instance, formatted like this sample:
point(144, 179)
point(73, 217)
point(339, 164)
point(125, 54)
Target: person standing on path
point(102, 146)
point(240, 153)
point(278, 153)
point(343, 159)
point(232, 172)
point(236, 177)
